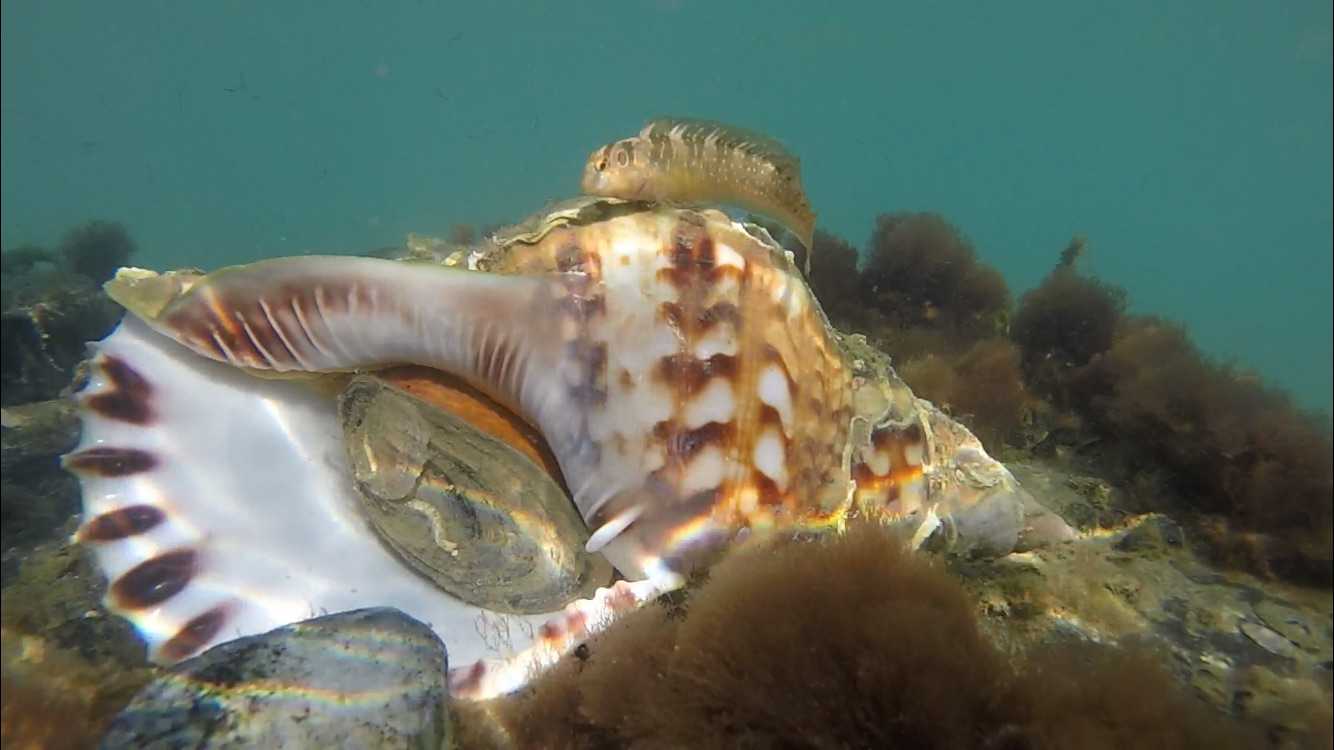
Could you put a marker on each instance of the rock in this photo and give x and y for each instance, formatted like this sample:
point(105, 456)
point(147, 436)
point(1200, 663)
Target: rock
point(35, 435)
point(68, 667)
point(36, 494)
point(1079, 501)
point(987, 528)
point(47, 320)
point(55, 593)
point(1211, 678)
point(1294, 625)
point(1096, 491)
point(1250, 647)
point(1269, 640)
point(1042, 527)
point(1296, 708)
point(1151, 534)
point(366, 678)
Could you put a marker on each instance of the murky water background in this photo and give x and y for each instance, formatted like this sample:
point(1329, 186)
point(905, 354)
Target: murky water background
point(1190, 144)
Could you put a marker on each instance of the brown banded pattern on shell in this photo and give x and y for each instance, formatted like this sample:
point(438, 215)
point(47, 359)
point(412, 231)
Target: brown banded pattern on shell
point(475, 510)
point(698, 355)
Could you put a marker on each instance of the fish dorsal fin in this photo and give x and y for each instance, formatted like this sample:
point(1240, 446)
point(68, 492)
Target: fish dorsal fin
point(726, 136)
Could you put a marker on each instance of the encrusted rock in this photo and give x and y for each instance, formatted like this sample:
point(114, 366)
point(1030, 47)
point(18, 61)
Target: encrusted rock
point(67, 666)
point(1296, 626)
point(35, 493)
point(366, 678)
point(1150, 534)
point(1268, 639)
point(46, 321)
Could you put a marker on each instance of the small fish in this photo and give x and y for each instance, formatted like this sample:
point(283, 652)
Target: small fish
point(680, 161)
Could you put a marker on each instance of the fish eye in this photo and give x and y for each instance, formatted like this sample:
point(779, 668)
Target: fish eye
point(601, 165)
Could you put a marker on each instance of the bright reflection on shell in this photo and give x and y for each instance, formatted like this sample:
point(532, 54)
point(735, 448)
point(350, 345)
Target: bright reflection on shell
point(465, 494)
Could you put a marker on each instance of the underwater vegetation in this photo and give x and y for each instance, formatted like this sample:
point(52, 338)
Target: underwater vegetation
point(24, 259)
point(1194, 436)
point(96, 249)
point(1064, 322)
point(844, 641)
point(1222, 442)
point(833, 276)
point(1229, 446)
point(36, 494)
point(920, 272)
point(51, 305)
point(67, 668)
point(983, 385)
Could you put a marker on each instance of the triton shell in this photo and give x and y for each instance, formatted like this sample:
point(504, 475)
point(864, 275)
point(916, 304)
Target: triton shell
point(674, 363)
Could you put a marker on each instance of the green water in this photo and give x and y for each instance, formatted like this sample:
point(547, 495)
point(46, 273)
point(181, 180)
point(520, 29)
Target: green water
point(1190, 143)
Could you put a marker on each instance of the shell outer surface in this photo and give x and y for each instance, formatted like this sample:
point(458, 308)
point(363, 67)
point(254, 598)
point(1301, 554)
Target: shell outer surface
point(713, 394)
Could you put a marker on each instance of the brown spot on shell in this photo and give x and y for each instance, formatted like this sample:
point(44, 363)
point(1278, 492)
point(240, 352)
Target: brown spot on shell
point(769, 417)
point(775, 358)
point(674, 314)
point(896, 439)
point(689, 374)
point(127, 400)
point(893, 442)
point(720, 313)
point(693, 261)
point(121, 523)
point(154, 580)
point(766, 489)
point(592, 357)
point(582, 308)
point(194, 634)
point(106, 461)
point(573, 259)
point(692, 249)
point(682, 444)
